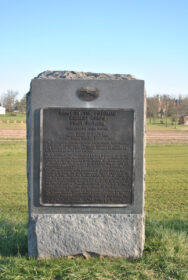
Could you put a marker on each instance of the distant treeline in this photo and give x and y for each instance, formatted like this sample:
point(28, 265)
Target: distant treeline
point(11, 103)
point(165, 106)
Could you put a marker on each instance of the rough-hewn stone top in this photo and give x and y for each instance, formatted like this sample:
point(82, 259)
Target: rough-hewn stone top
point(72, 75)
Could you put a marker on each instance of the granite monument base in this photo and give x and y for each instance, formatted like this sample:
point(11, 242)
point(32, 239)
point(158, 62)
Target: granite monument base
point(57, 235)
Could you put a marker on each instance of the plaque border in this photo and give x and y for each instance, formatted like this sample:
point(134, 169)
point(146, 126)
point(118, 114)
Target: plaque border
point(41, 161)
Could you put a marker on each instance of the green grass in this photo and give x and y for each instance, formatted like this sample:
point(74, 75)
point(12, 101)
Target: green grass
point(167, 179)
point(160, 124)
point(166, 248)
point(13, 117)
point(12, 126)
point(13, 121)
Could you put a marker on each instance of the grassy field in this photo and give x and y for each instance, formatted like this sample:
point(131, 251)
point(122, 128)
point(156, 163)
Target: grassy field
point(13, 126)
point(160, 124)
point(166, 248)
point(11, 117)
point(13, 121)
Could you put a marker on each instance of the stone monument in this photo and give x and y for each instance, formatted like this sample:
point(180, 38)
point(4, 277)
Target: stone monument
point(85, 164)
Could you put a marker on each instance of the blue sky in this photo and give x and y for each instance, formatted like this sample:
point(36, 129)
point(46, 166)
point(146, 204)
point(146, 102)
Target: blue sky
point(148, 39)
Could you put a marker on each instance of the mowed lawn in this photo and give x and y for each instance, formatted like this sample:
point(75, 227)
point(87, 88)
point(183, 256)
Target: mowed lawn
point(166, 247)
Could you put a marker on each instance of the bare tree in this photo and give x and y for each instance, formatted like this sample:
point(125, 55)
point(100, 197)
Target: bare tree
point(21, 105)
point(174, 111)
point(165, 102)
point(184, 106)
point(152, 107)
point(8, 100)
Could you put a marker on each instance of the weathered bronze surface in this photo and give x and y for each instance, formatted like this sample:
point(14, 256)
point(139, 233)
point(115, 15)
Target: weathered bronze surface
point(88, 93)
point(86, 157)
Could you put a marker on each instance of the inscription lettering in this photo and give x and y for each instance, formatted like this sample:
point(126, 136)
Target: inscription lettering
point(87, 157)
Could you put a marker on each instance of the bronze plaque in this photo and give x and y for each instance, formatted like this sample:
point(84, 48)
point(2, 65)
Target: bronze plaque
point(88, 93)
point(86, 157)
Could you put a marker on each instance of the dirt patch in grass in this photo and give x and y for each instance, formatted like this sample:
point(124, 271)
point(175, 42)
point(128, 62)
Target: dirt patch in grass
point(166, 137)
point(12, 133)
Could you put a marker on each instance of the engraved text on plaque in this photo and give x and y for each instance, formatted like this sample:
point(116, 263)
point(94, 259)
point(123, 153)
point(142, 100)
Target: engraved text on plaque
point(86, 157)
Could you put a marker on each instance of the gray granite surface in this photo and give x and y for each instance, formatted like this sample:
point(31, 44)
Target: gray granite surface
point(64, 235)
